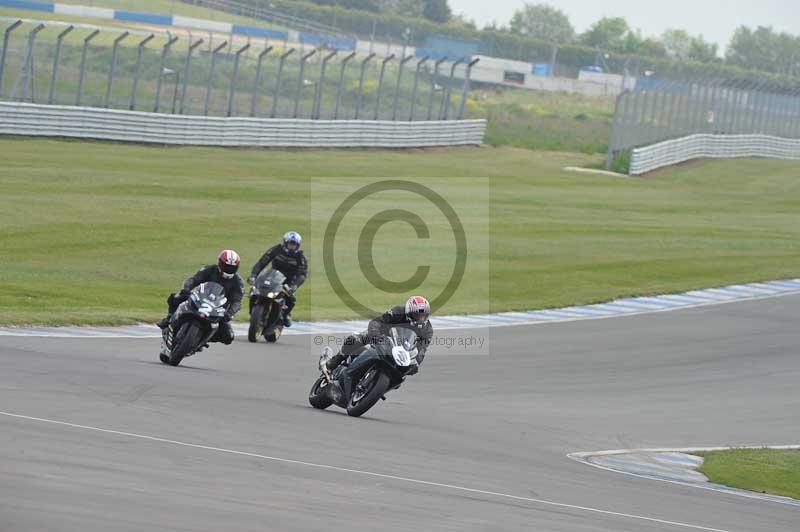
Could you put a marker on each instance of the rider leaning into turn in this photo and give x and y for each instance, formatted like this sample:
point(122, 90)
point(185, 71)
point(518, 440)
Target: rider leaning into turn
point(224, 272)
point(287, 258)
point(413, 315)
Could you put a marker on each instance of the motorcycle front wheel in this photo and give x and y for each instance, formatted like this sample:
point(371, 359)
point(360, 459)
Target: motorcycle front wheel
point(370, 387)
point(319, 396)
point(187, 337)
point(256, 322)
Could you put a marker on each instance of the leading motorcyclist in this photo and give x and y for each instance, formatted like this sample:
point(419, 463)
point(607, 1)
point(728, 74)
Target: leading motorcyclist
point(224, 272)
point(413, 315)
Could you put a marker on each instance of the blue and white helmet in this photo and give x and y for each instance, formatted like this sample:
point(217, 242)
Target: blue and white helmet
point(292, 237)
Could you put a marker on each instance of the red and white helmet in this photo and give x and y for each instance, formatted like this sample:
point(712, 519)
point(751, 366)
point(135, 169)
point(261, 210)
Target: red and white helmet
point(418, 309)
point(228, 263)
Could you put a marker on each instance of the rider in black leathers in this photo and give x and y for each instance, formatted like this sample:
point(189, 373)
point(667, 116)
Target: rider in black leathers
point(413, 315)
point(287, 258)
point(224, 273)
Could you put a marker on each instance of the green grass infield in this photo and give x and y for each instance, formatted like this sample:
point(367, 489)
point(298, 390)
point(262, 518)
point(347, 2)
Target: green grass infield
point(100, 233)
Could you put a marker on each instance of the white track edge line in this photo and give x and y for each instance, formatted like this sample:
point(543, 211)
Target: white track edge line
point(368, 473)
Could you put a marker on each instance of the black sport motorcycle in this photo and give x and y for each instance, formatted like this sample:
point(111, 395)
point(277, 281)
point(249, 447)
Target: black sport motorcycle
point(372, 372)
point(267, 303)
point(194, 323)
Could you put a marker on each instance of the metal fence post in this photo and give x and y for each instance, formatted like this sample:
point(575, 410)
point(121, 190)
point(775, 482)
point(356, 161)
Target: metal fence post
point(211, 69)
point(107, 99)
point(56, 57)
point(434, 77)
point(702, 95)
point(738, 106)
point(675, 103)
point(6, 36)
point(616, 126)
point(444, 110)
point(257, 80)
point(764, 111)
point(788, 112)
point(300, 80)
point(361, 84)
point(315, 112)
point(27, 67)
point(277, 92)
point(189, 52)
point(234, 77)
point(83, 64)
point(139, 49)
point(380, 85)
point(794, 130)
point(397, 87)
point(757, 104)
point(164, 52)
point(414, 88)
point(341, 84)
point(465, 88)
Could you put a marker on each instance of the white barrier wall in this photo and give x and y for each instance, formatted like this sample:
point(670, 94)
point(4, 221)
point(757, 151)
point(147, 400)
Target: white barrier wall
point(702, 146)
point(136, 126)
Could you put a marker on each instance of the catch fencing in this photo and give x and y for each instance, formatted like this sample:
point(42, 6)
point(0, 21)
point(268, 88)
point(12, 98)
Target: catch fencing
point(72, 64)
point(664, 110)
point(702, 146)
point(136, 126)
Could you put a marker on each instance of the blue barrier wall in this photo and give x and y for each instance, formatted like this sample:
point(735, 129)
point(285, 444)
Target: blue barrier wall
point(24, 4)
point(167, 20)
point(328, 41)
point(145, 18)
point(251, 31)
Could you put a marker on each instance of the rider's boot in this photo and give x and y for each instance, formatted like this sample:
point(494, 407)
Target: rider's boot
point(325, 357)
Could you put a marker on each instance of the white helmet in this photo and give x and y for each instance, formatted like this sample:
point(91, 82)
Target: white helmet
point(418, 309)
point(292, 237)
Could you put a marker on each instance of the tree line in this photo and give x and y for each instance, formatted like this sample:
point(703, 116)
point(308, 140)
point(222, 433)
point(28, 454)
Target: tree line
point(760, 49)
point(535, 29)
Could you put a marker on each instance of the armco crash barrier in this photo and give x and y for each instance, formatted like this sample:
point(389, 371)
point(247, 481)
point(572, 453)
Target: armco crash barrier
point(136, 126)
point(703, 146)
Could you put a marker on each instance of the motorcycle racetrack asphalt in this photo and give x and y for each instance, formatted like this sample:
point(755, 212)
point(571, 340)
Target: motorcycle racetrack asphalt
point(97, 435)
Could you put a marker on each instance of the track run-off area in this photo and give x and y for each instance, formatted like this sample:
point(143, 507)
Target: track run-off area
point(95, 434)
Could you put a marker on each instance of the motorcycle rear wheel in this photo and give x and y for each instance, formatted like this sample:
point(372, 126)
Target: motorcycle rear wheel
point(274, 335)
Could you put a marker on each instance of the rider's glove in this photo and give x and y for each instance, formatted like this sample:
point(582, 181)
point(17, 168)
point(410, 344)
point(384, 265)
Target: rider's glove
point(413, 370)
point(289, 288)
point(184, 294)
point(251, 279)
point(228, 317)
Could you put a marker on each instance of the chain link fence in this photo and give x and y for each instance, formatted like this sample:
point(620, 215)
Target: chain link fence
point(661, 110)
point(58, 63)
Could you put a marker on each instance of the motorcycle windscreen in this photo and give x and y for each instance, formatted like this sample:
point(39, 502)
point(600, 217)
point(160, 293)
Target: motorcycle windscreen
point(209, 298)
point(270, 280)
point(405, 338)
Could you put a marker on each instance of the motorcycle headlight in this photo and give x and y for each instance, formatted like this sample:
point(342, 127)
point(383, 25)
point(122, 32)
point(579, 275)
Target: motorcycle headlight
point(272, 295)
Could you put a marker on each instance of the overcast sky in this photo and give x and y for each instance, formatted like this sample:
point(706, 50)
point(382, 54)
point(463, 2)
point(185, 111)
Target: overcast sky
point(714, 19)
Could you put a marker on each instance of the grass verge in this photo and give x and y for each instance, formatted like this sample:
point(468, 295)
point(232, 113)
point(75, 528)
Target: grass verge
point(763, 470)
point(101, 232)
